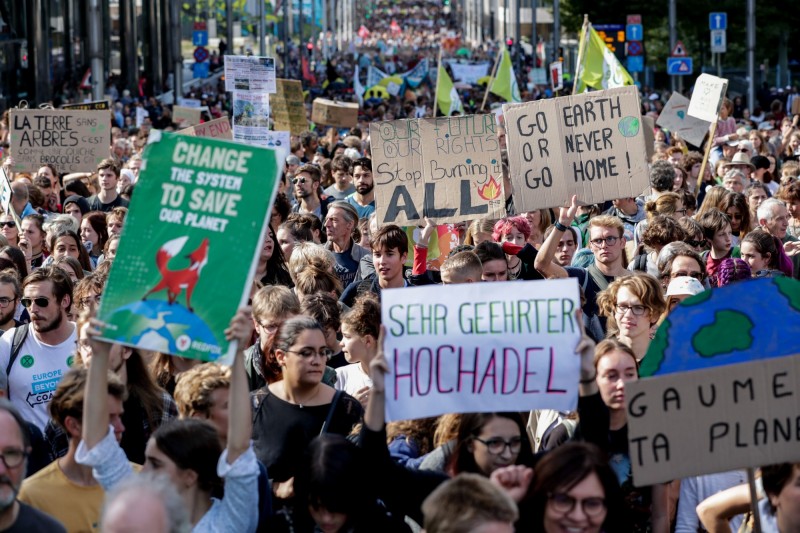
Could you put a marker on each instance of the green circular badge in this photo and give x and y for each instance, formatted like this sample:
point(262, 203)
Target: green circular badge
point(629, 126)
point(70, 360)
point(26, 361)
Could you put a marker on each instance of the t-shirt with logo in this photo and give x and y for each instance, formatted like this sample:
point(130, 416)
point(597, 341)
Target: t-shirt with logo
point(35, 373)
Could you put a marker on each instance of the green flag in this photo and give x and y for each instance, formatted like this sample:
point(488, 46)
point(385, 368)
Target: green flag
point(449, 100)
point(600, 68)
point(504, 83)
point(187, 254)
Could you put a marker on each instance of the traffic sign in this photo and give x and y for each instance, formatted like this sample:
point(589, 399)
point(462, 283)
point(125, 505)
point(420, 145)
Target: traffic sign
point(633, 32)
point(199, 25)
point(200, 54)
point(634, 19)
point(719, 41)
point(200, 38)
point(679, 50)
point(635, 48)
point(201, 69)
point(635, 64)
point(679, 66)
point(718, 21)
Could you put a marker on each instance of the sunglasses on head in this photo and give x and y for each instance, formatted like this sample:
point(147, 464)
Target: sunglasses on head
point(41, 301)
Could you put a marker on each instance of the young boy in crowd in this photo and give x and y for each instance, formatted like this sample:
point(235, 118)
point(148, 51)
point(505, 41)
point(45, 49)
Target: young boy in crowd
point(272, 306)
point(463, 267)
point(717, 232)
point(389, 252)
point(469, 503)
point(342, 172)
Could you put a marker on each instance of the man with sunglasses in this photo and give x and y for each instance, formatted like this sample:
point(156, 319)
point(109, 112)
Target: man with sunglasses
point(15, 445)
point(10, 293)
point(36, 356)
point(306, 192)
point(607, 242)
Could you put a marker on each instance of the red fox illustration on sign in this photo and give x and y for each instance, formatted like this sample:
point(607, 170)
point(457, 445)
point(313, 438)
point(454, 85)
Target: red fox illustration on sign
point(175, 280)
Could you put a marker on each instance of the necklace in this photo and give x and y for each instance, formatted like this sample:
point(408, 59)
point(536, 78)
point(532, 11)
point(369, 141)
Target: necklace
point(302, 404)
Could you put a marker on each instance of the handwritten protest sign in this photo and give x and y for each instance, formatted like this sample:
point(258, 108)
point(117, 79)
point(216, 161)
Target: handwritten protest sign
point(288, 109)
point(709, 91)
point(481, 347)
point(219, 128)
point(97, 105)
point(590, 145)
point(187, 255)
point(186, 116)
point(331, 113)
point(714, 420)
point(73, 141)
point(675, 118)
point(249, 74)
point(448, 169)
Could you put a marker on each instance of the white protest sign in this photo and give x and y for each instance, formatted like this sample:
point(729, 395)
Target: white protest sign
point(481, 347)
point(72, 140)
point(5, 192)
point(250, 117)
point(714, 420)
point(675, 118)
point(141, 114)
point(591, 145)
point(707, 97)
point(448, 169)
point(250, 74)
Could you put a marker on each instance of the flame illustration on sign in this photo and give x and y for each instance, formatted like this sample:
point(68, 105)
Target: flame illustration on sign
point(491, 190)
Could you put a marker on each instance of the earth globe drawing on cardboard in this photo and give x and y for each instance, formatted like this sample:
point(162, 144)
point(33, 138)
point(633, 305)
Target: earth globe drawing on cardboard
point(160, 326)
point(745, 321)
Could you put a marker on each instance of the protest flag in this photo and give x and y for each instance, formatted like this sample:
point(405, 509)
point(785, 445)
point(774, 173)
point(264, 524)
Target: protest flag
point(374, 76)
point(505, 83)
point(358, 88)
point(598, 67)
point(416, 75)
point(447, 97)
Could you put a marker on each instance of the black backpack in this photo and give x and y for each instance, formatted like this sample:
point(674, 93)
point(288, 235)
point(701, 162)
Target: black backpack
point(20, 334)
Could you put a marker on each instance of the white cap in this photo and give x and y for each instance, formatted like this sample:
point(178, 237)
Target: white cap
point(683, 285)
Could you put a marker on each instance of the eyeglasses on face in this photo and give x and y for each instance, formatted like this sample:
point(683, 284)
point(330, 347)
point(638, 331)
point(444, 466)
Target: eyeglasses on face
point(696, 275)
point(40, 301)
point(295, 181)
point(496, 445)
point(12, 458)
point(695, 244)
point(608, 241)
point(5, 301)
point(86, 302)
point(308, 353)
point(637, 310)
point(564, 503)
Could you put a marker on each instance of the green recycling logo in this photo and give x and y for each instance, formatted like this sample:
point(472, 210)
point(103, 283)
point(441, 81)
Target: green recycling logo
point(26, 361)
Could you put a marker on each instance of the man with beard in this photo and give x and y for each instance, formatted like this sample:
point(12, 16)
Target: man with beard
point(9, 296)
point(36, 356)
point(15, 445)
point(364, 197)
point(306, 192)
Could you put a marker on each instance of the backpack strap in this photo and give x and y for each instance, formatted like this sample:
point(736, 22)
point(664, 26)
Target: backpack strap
point(641, 263)
point(327, 424)
point(20, 334)
point(598, 277)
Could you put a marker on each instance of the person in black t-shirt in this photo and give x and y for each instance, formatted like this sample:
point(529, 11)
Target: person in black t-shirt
point(108, 198)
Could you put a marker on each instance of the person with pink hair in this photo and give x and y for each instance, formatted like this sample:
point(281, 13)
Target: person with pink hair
point(512, 234)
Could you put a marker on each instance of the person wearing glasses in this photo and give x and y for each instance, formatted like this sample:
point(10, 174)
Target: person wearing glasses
point(607, 242)
point(680, 260)
point(289, 413)
point(307, 192)
point(632, 305)
point(10, 293)
point(46, 353)
point(489, 441)
point(15, 445)
point(9, 229)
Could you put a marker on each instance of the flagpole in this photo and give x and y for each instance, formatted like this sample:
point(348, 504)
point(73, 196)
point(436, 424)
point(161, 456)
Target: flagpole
point(491, 78)
point(581, 52)
point(438, 80)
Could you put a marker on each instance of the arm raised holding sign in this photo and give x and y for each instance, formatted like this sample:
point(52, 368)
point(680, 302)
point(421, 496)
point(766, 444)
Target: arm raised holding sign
point(544, 259)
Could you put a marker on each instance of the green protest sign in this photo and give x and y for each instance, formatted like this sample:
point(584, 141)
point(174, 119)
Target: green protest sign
point(187, 253)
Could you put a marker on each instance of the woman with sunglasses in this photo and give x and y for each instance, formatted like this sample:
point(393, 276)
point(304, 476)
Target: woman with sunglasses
point(632, 305)
point(289, 413)
point(9, 229)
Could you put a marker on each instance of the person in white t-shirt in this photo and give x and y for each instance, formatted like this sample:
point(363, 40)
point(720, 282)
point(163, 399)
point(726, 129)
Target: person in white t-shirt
point(47, 351)
point(360, 327)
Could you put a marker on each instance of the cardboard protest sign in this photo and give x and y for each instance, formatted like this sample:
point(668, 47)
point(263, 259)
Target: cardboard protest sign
point(187, 255)
point(448, 169)
point(250, 74)
point(590, 145)
point(186, 116)
point(97, 105)
point(709, 91)
point(219, 128)
point(288, 109)
point(714, 420)
point(481, 347)
point(331, 113)
point(734, 324)
point(73, 141)
point(675, 118)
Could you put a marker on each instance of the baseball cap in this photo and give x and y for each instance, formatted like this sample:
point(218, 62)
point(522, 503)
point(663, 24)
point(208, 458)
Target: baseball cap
point(683, 285)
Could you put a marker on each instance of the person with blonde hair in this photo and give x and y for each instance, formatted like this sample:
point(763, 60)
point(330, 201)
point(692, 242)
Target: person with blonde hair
point(479, 230)
point(202, 392)
point(632, 305)
point(469, 503)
